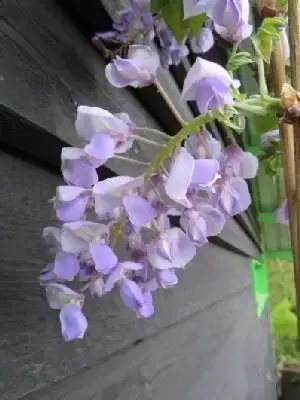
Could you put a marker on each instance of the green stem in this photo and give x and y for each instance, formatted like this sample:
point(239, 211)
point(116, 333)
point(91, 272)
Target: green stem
point(147, 141)
point(251, 109)
point(168, 148)
point(263, 89)
point(170, 103)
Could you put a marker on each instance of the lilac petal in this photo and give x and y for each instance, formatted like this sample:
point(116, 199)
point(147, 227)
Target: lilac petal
point(203, 145)
point(147, 57)
point(179, 250)
point(195, 227)
point(104, 258)
point(101, 147)
point(282, 214)
point(108, 194)
point(66, 265)
point(167, 278)
point(131, 266)
point(205, 172)
point(96, 288)
point(180, 177)
point(114, 77)
point(193, 8)
point(248, 166)
point(212, 93)
point(58, 295)
point(146, 310)
point(202, 69)
point(139, 211)
point(68, 193)
point(215, 220)
point(203, 42)
point(73, 322)
point(113, 278)
point(79, 172)
point(131, 294)
point(71, 210)
point(47, 275)
point(235, 197)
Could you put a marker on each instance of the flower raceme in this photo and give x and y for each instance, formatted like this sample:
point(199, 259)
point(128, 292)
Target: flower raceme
point(203, 185)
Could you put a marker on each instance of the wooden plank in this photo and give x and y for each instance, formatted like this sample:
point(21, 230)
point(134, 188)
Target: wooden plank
point(222, 352)
point(29, 332)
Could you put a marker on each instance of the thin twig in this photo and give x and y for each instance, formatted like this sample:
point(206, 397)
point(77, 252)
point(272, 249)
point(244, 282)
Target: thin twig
point(294, 30)
point(170, 103)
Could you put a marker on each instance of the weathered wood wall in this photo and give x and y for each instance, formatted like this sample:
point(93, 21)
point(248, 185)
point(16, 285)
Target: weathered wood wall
point(204, 342)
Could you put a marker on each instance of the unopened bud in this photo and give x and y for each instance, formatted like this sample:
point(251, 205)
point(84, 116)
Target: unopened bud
point(289, 97)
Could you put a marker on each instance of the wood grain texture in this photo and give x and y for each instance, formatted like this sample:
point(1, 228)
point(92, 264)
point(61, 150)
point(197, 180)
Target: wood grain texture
point(222, 352)
point(31, 352)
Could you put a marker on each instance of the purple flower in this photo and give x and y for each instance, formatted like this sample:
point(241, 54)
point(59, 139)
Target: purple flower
point(282, 214)
point(73, 322)
point(71, 202)
point(170, 51)
point(137, 70)
point(138, 210)
point(196, 7)
point(120, 272)
point(77, 170)
point(203, 145)
point(203, 41)
point(201, 222)
point(231, 19)
point(171, 249)
point(108, 193)
point(186, 172)
point(208, 84)
point(233, 196)
point(66, 265)
point(236, 162)
point(136, 298)
point(103, 256)
point(59, 295)
point(104, 132)
point(166, 278)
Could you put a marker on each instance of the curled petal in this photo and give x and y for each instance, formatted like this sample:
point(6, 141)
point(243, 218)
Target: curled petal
point(58, 295)
point(167, 278)
point(101, 147)
point(180, 177)
point(104, 258)
point(194, 226)
point(235, 197)
point(71, 210)
point(203, 42)
point(215, 219)
point(66, 265)
point(205, 172)
point(139, 211)
point(116, 275)
point(172, 249)
point(73, 322)
point(282, 214)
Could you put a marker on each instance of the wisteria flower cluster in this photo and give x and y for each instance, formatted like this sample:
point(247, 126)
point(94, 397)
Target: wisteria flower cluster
point(192, 179)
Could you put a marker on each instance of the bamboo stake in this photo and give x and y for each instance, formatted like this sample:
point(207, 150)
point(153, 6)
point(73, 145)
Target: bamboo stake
point(294, 31)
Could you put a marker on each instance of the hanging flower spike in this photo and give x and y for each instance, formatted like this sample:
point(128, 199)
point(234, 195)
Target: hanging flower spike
point(196, 7)
point(137, 70)
point(105, 133)
point(231, 19)
point(282, 214)
point(73, 322)
point(209, 84)
point(77, 170)
point(171, 249)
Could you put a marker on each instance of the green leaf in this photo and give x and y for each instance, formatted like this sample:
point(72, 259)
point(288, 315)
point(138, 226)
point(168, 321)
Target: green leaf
point(237, 60)
point(194, 24)
point(267, 34)
point(157, 5)
point(173, 16)
point(262, 124)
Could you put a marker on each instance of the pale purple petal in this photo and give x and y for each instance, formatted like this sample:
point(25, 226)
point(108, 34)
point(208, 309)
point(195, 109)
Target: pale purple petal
point(193, 8)
point(114, 77)
point(282, 214)
point(47, 275)
point(146, 310)
point(180, 177)
point(79, 172)
point(235, 197)
point(203, 145)
point(139, 211)
point(131, 266)
point(131, 294)
point(248, 166)
point(66, 265)
point(146, 56)
point(171, 249)
point(103, 256)
point(213, 92)
point(71, 210)
point(68, 193)
point(203, 42)
point(58, 295)
point(205, 172)
point(215, 219)
point(101, 147)
point(73, 322)
point(195, 227)
point(116, 275)
point(167, 278)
